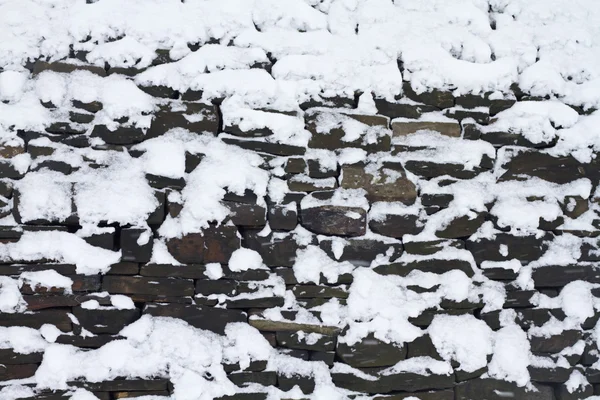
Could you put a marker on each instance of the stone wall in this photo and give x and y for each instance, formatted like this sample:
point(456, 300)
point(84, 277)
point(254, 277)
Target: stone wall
point(422, 193)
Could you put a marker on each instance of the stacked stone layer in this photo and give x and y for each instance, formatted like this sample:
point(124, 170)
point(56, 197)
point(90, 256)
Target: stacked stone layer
point(418, 180)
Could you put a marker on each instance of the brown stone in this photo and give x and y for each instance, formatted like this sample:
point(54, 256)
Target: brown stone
point(403, 128)
point(378, 188)
point(189, 249)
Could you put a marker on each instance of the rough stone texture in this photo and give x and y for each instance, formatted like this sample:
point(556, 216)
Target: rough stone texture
point(330, 220)
point(403, 128)
point(380, 187)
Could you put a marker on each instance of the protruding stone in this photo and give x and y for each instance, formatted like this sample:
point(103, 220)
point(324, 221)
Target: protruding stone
point(370, 352)
point(335, 220)
point(390, 183)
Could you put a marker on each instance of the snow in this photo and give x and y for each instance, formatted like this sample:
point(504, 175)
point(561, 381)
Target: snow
point(61, 247)
point(463, 338)
point(245, 259)
point(47, 279)
point(11, 300)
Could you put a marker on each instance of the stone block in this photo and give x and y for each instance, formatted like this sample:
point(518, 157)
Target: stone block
point(212, 319)
point(150, 286)
point(335, 220)
point(390, 183)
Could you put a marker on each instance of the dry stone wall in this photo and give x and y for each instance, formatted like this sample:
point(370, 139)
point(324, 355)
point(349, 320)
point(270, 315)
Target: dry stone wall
point(425, 246)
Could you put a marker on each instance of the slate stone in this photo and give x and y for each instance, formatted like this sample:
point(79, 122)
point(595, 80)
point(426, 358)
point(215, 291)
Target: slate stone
point(403, 381)
point(402, 110)
point(295, 165)
point(191, 271)
point(427, 316)
point(265, 378)
point(490, 389)
point(161, 91)
point(294, 340)
point(523, 248)
point(436, 266)
point(282, 217)
point(499, 105)
point(65, 68)
point(255, 303)
point(219, 243)
point(333, 138)
point(10, 357)
point(519, 298)
point(80, 118)
point(92, 107)
point(123, 385)
point(8, 171)
point(145, 285)
point(396, 226)
point(328, 101)
point(447, 394)
point(502, 138)
point(436, 98)
point(422, 347)
point(22, 371)
point(17, 269)
point(244, 396)
point(370, 352)
point(65, 128)
point(319, 170)
point(124, 268)
point(562, 393)
point(286, 383)
point(549, 375)
point(303, 183)
point(105, 321)
point(123, 135)
point(433, 169)
point(246, 214)
point(559, 275)
point(189, 249)
point(544, 166)
point(212, 319)
point(334, 220)
point(380, 188)
point(463, 226)
point(316, 291)
point(327, 357)
point(280, 252)
point(81, 283)
point(254, 366)
point(205, 119)
point(105, 240)
point(225, 287)
point(361, 252)
point(163, 182)
point(480, 115)
point(284, 326)
point(407, 127)
point(554, 343)
point(35, 320)
point(10, 150)
point(131, 250)
point(277, 149)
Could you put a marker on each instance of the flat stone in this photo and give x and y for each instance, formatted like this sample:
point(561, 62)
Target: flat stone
point(212, 319)
point(403, 381)
point(92, 107)
point(549, 375)
point(282, 326)
point(554, 343)
point(386, 186)
point(280, 252)
point(265, 378)
point(277, 149)
point(286, 383)
point(191, 271)
point(402, 110)
point(361, 252)
point(396, 226)
point(121, 385)
point(544, 166)
point(316, 291)
point(561, 275)
point(189, 249)
point(65, 68)
point(294, 340)
point(436, 266)
point(105, 321)
point(404, 128)
point(87, 342)
point(205, 119)
point(131, 250)
point(121, 136)
point(10, 372)
point(282, 217)
point(161, 91)
point(370, 352)
point(491, 389)
point(219, 243)
point(246, 214)
point(327, 357)
point(463, 226)
point(434, 97)
point(10, 357)
point(506, 247)
point(35, 320)
point(447, 394)
point(335, 220)
point(432, 169)
point(144, 285)
point(7, 170)
point(375, 137)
